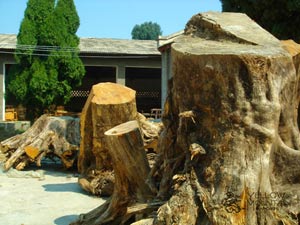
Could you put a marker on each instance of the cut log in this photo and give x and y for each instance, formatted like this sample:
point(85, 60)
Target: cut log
point(48, 136)
point(108, 105)
point(126, 148)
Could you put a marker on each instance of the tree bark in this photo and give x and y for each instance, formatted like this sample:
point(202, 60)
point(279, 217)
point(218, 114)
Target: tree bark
point(108, 105)
point(150, 132)
point(126, 148)
point(48, 136)
point(231, 126)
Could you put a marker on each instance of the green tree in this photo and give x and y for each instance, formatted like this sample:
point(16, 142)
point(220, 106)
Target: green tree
point(279, 17)
point(48, 65)
point(146, 31)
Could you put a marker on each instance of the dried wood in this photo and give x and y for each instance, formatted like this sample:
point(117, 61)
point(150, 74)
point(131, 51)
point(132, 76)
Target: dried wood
point(232, 138)
point(48, 136)
point(126, 148)
point(108, 105)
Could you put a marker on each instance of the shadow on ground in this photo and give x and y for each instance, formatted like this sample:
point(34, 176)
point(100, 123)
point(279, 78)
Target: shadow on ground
point(65, 219)
point(66, 187)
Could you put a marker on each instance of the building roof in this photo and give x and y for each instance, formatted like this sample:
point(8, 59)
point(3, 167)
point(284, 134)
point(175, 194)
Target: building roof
point(99, 46)
point(118, 46)
point(167, 40)
point(8, 41)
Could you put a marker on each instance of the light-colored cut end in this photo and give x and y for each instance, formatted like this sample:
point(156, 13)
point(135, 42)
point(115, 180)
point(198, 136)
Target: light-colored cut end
point(112, 93)
point(123, 128)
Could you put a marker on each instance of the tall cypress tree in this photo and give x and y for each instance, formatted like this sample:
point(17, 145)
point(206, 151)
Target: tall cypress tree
point(32, 27)
point(279, 17)
point(48, 65)
point(70, 65)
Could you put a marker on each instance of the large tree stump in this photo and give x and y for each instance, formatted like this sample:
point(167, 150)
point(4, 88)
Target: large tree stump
point(48, 136)
point(108, 105)
point(231, 126)
point(126, 148)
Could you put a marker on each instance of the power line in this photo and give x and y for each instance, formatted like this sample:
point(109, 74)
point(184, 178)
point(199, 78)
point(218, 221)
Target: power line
point(39, 50)
point(43, 48)
point(36, 54)
point(46, 48)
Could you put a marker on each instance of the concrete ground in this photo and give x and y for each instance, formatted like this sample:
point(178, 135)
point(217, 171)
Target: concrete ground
point(43, 196)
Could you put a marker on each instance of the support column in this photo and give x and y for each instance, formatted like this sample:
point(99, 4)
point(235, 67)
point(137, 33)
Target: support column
point(166, 74)
point(121, 72)
point(2, 91)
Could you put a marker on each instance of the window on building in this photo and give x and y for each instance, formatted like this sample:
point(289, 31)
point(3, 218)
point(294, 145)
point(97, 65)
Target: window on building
point(147, 84)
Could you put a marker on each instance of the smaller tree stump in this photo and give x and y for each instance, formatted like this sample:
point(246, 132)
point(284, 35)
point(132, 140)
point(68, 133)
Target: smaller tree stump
point(131, 167)
point(107, 106)
point(130, 163)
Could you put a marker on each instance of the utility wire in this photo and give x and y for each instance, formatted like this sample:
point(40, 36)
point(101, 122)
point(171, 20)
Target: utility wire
point(39, 47)
point(39, 50)
point(46, 48)
point(35, 54)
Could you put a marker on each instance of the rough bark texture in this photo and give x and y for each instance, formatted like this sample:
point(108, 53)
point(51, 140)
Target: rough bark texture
point(231, 126)
point(47, 137)
point(108, 105)
point(150, 132)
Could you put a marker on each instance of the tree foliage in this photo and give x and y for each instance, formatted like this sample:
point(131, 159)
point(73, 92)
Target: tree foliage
point(48, 65)
point(279, 17)
point(146, 31)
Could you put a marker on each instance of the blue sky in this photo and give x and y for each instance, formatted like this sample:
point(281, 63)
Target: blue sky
point(116, 18)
